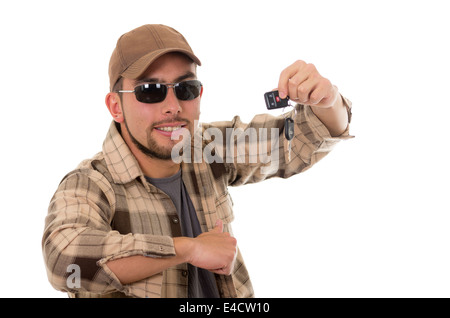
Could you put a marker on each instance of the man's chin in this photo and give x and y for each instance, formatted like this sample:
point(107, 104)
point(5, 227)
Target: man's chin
point(161, 149)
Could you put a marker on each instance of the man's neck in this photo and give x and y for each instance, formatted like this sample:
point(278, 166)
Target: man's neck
point(157, 168)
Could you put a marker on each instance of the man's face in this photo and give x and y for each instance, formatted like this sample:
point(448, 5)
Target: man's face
point(150, 126)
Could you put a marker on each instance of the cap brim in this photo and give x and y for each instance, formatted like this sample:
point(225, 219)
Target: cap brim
point(135, 70)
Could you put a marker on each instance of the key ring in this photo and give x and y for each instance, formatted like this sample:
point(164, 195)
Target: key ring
point(290, 105)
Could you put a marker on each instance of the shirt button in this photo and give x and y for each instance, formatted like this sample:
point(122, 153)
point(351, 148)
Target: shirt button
point(175, 220)
point(184, 273)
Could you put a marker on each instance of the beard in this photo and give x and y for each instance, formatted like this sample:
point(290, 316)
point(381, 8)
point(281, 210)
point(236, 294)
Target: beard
point(154, 150)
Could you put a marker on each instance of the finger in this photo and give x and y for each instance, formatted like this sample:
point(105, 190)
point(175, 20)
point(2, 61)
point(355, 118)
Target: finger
point(321, 93)
point(300, 87)
point(222, 271)
point(217, 271)
point(305, 89)
point(286, 74)
point(219, 226)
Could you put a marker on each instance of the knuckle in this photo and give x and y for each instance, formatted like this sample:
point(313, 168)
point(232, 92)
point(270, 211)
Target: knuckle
point(316, 77)
point(326, 82)
point(294, 81)
point(301, 89)
point(299, 63)
point(310, 67)
point(314, 98)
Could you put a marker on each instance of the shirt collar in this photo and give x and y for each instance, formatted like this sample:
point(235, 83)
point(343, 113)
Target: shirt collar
point(121, 162)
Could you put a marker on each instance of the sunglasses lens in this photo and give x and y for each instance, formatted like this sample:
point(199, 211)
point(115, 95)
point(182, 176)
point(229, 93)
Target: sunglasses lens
point(188, 90)
point(151, 93)
point(155, 93)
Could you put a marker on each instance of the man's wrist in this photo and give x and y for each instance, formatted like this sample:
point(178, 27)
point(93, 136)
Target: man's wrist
point(183, 248)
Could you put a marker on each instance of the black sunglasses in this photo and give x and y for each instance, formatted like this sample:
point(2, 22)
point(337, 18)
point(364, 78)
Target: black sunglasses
point(155, 93)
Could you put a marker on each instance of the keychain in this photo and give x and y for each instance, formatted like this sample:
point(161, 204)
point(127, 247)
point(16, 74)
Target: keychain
point(273, 101)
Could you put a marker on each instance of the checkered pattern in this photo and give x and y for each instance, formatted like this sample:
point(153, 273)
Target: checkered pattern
point(105, 210)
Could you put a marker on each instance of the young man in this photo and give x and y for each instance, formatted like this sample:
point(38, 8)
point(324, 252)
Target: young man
point(134, 220)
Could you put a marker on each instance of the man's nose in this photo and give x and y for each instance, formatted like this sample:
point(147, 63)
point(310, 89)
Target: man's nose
point(171, 103)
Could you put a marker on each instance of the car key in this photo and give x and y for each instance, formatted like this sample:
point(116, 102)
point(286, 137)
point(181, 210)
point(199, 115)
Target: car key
point(289, 133)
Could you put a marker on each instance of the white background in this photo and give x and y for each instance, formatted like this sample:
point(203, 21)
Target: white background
point(370, 220)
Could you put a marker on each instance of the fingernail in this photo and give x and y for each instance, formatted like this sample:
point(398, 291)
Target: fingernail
point(282, 95)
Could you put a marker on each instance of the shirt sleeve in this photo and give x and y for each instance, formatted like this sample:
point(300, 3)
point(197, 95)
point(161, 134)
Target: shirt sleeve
point(78, 239)
point(258, 150)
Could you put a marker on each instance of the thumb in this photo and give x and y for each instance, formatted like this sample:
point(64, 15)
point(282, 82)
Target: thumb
point(219, 226)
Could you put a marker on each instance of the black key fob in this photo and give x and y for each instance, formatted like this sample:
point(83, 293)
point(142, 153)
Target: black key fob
point(289, 128)
point(273, 100)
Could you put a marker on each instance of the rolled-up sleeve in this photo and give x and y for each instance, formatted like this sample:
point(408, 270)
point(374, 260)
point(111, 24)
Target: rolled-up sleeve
point(78, 233)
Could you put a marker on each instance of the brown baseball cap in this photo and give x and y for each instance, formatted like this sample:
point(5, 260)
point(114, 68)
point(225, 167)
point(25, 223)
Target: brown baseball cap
point(137, 49)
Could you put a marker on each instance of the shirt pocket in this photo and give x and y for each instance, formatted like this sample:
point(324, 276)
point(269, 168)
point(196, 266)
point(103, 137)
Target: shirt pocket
point(224, 208)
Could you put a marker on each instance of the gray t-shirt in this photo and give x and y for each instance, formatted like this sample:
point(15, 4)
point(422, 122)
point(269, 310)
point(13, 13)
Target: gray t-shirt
point(201, 282)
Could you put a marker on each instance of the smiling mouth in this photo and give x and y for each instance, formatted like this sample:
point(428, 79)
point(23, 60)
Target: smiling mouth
point(169, 129)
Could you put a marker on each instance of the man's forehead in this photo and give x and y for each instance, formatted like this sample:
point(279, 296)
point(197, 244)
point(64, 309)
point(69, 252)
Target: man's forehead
point(170, 67)
point(186, 76)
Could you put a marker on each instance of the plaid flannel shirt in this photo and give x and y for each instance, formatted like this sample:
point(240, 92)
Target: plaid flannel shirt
point(105, 209)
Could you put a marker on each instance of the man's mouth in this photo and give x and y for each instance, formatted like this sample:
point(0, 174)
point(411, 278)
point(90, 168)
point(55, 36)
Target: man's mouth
point(169, 128)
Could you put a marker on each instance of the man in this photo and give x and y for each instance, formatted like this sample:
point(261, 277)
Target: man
point(133, 220)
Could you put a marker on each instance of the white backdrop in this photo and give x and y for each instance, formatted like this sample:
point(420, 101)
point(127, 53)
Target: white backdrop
point(370, 220)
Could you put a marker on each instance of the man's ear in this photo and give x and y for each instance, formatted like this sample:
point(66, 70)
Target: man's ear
point(114, 105)
point(201, 92)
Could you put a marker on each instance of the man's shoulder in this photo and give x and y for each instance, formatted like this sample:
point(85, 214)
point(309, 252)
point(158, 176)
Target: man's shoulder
point(90, 163)
point(91, 176)
point(94, 168)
